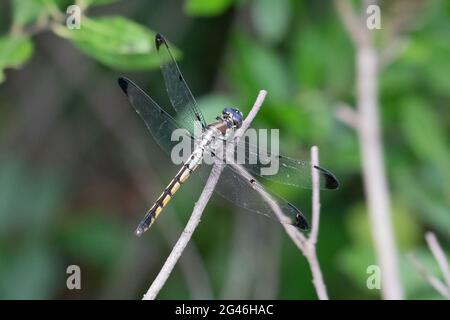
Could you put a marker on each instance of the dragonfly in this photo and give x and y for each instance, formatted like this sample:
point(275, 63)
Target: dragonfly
point(237, 182)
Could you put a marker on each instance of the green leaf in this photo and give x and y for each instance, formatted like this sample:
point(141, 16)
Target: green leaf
point(271, 18)
point(406, 228)
point(206, 7)
point(14, 52)
point(116, 42)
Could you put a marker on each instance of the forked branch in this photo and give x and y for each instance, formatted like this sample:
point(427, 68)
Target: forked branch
point(306, 245)
point(196, 215)
point(439, 255)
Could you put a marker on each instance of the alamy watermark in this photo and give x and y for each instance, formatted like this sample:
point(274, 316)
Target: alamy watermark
point(373, 20)
point(73, 20)
point(374, 279)
point(256, 147)
point(74, 279)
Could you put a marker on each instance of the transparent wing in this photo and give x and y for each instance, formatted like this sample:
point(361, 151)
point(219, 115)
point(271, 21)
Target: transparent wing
point(240, 188)
point(159, 123)
point(278, 168)
point(179, 93)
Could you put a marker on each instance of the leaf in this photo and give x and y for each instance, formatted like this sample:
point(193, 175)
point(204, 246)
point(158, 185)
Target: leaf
point(14, 52)
point(271, 18)
point(116, 42)
point(206, 7)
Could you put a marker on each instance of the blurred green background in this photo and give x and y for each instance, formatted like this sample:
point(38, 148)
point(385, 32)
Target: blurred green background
point(78, 169)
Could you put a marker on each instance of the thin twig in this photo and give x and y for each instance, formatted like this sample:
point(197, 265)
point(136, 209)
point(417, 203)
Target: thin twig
point(310, 254)
point(306, 245)
point(440, 257)
point(196, 215)
point(432, 280)
point(182, 242)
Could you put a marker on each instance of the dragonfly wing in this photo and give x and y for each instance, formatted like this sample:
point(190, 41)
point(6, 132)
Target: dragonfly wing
point(278, 168)
point(159, 123)
point(179, 93)
point(244, 191)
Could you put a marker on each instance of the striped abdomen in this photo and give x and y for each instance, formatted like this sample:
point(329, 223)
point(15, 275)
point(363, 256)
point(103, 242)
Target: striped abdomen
point(182, 175)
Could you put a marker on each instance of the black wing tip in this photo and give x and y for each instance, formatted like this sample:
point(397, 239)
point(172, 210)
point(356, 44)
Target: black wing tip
point(123, 83)
point(159, 40)
point(331, 182)
point(300, 220)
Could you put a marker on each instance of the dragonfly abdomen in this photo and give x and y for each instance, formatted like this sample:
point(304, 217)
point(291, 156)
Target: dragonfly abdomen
point(162, 201)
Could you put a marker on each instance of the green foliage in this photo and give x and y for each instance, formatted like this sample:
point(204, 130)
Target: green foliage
point(431, 208)
point(28, 206)
point(256, 66)
point(87, 3)
point(301, 54)
point(424, 134)
point(96, 239)
point(25, 11)
point(32, 272)
point(331, 72)
point(115, 42)
point(27, 202)
point(271, 19)
point(14, 52)
point(206, 7)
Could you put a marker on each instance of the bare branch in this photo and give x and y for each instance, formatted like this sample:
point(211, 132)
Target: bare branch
point(432, 280)
point(196, 215)
point(391, 51)
point(351, 21)
point(440, 257)
point(305, 245)
point(315, 196)
point(347, 115)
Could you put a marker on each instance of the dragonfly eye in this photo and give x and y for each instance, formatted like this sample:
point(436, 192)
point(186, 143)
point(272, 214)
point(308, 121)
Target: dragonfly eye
point(234, 116)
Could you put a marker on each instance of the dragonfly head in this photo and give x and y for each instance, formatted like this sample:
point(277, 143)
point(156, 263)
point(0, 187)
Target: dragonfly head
point(233, 117)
